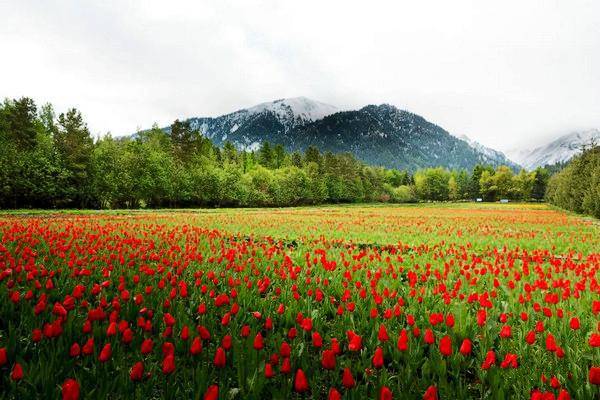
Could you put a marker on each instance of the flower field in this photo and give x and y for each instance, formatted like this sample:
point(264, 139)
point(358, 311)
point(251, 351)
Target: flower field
point(462, 301)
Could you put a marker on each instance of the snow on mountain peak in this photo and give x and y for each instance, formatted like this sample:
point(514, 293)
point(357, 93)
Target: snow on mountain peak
point(299, 107)
point(559, 150)
point(487, 151)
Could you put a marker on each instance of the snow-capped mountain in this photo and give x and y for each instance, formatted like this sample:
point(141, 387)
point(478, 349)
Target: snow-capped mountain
point(296, 109)
point(488, 152)
point(376, 134)
point(559, 150)
point(248, 127)
point(387, 136)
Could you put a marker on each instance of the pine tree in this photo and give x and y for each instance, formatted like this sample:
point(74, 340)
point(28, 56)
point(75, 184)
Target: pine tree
point(75, 145)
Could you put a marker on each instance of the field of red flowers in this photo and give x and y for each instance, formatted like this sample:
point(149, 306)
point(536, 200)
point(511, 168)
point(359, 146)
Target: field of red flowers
point(378, 302)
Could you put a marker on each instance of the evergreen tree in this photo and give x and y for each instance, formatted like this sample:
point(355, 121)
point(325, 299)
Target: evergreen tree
point(20, 120)
point(75, 145)
point(540, 183)
point(185, 140)
point(266, 155)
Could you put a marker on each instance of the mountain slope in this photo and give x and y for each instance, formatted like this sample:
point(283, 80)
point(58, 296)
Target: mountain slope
point(559, 150)
point(247, 128)
point(490, 153)
point(378, 135)
point(384, 135)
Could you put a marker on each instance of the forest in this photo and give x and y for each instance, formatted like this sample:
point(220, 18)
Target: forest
point(52, 161)
point(577, 186)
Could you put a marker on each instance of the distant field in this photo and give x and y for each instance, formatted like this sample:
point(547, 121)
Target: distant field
point(462, 300)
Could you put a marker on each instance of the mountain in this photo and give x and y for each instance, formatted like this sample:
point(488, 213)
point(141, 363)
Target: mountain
point(376, 134)
point(271, 121)
point(384, 135)
point(488, 152)
point(559, 150)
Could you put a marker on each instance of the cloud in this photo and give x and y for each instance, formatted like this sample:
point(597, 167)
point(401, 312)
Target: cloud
point(499, 73)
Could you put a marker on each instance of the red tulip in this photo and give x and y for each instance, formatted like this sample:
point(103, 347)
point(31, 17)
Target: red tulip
point(212, 393)
point(137, 371)
point(88, 347)
point(595, 375)
point(245, 332)
point(196, 347)
point(328, 359)
point(75, 350)
point(168, 349)
point(3, 357)
point(382, 335)
point(269, 373)
point(490, 359)
point(536, 395)
point(286, 366)
point(105, 353)
point(17, 372)
point(285, 350)
point(127, 336)
point(168, 365)
point(530, 337)
point(506, 332)
point(185, 333)
point(355, 342)
point(385, 393)
point(307, 324)
point(300, 382)
point(70, 389)
point(550, 343)
point(429, 337)
point(335, 346)
point(334, 394)
point(574, 323)
point(563, 395)
point(510, 361)
point(481, 317)
point(147, 346)
point(539, 327)
point(446, 346)
point(348, 379)
point(317, 340)
point(430, 393)
point(169, 320)
point(36, 335)
point(378, 358)
point(466, 347)
point(112, 329)
point(258, 342)
point(403, 340)
point(220, 359)
point(292, 333)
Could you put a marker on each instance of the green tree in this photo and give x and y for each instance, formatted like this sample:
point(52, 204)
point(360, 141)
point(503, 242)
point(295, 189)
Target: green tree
point(432, 184)
point(185, 140)
point(540, 182)
point(75, 145)
point(21, 123)
point(266, 155)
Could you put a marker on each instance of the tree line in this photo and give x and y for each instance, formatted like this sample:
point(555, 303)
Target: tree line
point(50, 161)
point(577, 186)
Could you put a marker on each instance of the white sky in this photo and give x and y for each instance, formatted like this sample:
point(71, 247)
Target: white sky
point(504, 73)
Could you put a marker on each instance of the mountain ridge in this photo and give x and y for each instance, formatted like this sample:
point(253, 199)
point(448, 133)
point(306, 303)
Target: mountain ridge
point(376, 134)
point(558, 150)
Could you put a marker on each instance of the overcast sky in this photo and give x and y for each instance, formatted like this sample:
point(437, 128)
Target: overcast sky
point(505, 73)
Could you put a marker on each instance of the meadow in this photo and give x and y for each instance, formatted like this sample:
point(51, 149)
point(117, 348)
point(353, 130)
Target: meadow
point(425, 301)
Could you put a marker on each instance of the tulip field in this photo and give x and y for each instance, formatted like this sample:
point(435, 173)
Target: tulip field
point(446, 301)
